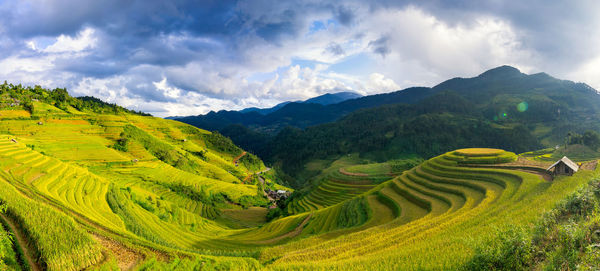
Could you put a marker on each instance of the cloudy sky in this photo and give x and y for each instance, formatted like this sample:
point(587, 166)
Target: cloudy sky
point(190, 57)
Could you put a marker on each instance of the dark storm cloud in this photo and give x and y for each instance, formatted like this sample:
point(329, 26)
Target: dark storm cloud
point(137, 17)
point(163, 33)
point(204, 46)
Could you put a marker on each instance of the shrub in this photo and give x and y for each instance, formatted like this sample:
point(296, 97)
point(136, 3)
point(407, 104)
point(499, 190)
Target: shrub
point(404, 164)
point(274, 213)
point(509, 250)
point(582, 203)
point(121, 145)
point(221, 143)
point(354, 212)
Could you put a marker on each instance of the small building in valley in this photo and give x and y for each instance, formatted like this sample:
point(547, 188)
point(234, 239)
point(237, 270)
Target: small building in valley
point(564, 166)
point(277, 194)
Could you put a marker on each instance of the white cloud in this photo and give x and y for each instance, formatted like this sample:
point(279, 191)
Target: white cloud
point(588, 72)
point(169, 91)
point(215, 72)
point(378, 83)
point(84, 40)
point(31, 45)
point(16, 64)
point(424, 50)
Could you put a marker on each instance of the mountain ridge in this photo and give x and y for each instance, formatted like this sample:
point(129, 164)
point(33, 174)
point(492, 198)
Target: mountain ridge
point(493, 108)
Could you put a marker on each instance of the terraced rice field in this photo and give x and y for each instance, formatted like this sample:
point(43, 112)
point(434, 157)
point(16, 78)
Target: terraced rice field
point(431, 216)
point(168, 203)
point(343, 184)
point(66, 162)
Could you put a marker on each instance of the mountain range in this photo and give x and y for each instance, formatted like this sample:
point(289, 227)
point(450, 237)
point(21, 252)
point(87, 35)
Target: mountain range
point(300, 114)
point(501, 107)
point(122, 188)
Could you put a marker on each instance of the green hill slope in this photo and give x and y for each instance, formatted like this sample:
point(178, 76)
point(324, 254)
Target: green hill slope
point(430, 217)
point(501, 108)
point(94, 186)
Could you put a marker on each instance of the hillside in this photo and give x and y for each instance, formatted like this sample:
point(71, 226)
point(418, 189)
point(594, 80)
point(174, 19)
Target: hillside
point(501, 108)
point(325, 99)
point(300, 114)
point(126, 191)
point(68, 172)
point(103, 171)
point(429, 217)
point(333, 98)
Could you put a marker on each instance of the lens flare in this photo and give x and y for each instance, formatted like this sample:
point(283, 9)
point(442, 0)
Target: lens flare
point(522, 106)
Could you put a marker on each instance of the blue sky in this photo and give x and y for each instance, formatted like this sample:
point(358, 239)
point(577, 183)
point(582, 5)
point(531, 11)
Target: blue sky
point(190, 57)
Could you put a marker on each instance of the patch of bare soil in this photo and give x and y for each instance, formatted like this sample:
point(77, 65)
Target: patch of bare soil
point(126, 258)
point(591, 165)
point(525, 163)
point(545, 176)
point(522, 161)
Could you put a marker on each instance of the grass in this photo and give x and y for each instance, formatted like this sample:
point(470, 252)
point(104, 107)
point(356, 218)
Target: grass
point(67, 164)
point(173, 191)
point(9, 114)
point(8, 256)
point(246, 218)
point(59, 241)
point(479, 152)
point(443, 210)
point(578, 153)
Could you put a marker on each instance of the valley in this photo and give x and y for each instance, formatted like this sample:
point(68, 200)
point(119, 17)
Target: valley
point(148, 135)
point(90, 185)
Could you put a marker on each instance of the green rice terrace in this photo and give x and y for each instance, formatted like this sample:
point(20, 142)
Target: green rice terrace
point(99, 190)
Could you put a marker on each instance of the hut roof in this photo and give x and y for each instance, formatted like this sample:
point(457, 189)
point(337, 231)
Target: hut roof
point(567, 162)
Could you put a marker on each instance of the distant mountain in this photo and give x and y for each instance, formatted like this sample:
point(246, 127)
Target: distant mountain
point(334, 98)
point(501, 108)
point(264, 111)
point(325, 99)
point(302, 114)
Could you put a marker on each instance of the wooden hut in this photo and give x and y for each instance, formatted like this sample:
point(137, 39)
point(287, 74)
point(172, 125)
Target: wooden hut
point(564, 166)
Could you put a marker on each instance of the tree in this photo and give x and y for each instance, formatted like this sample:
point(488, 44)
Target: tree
point(591, 139)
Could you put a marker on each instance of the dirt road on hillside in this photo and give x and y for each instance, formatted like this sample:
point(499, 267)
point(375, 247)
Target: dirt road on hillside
point(235, 160)
point(28, 252)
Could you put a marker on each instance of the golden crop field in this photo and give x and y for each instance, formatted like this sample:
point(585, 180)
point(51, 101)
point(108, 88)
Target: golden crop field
point(87, 187)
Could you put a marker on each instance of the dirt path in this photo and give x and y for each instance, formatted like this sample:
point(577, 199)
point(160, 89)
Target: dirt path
point(591, 165)
point(290, 234)
point(343, 171)
point(545, 176)
point(126, 258)
point(28, 252)
point(260, 178)
point(522, 161)
point(235, 160)
point(245, 180)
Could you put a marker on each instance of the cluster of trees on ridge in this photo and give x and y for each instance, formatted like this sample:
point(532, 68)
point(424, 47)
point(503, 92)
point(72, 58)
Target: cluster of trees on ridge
point(60, 98)
point(590, 139)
